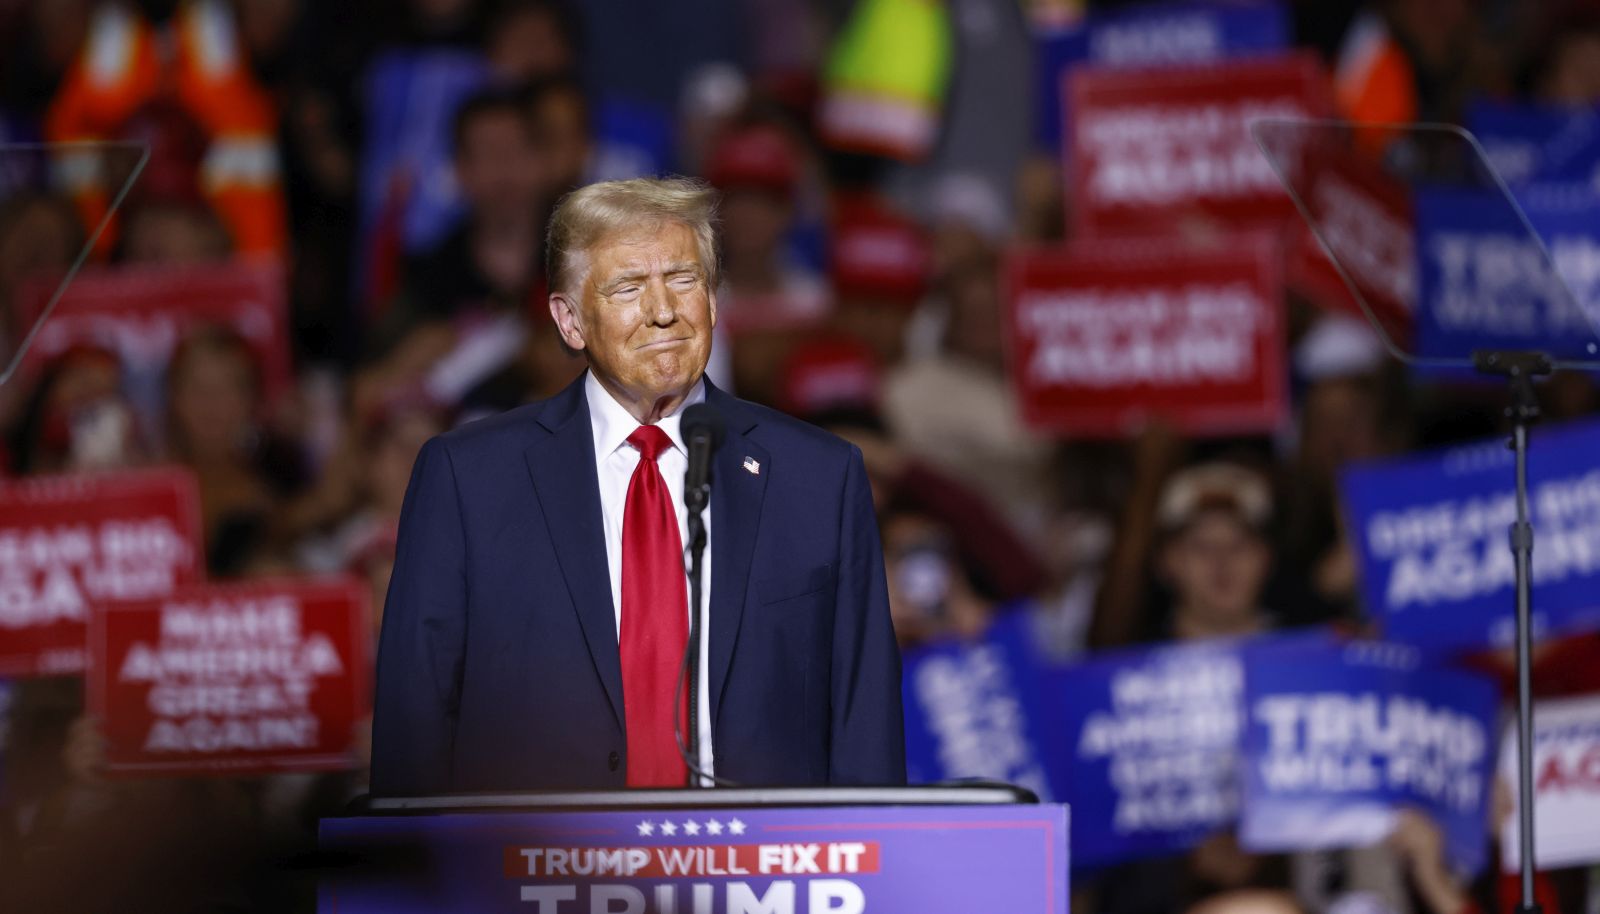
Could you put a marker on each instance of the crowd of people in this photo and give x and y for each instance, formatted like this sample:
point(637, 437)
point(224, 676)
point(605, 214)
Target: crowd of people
point(397, 160)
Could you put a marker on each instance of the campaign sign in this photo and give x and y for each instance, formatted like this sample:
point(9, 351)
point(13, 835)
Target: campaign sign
point(1431, 537)
point(1566, 786)
point(410, 99)
point(142, 314)
point(70, 543)
point(1485, 284)
point(1336, 743)
point(846, 860)
point(232, 678)
point(1526, 143)
point(1363, 216)
point(1149, 740)
point(1105, 336)
point(1148, 148)
point(1182, 33)
point(972, 710)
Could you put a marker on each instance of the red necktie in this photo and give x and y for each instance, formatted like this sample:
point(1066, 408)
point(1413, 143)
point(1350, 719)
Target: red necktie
point(655, 619)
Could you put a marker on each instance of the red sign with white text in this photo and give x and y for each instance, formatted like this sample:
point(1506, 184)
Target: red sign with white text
point(233, 678)
point(1364, 217)
point(1103, 337)
point(1149, 148)
point(69, 543)
point(143, 313)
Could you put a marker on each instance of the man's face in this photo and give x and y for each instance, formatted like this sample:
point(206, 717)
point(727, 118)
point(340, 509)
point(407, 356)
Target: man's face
point(643, 313)
point(1218, 567)
point(497, 164)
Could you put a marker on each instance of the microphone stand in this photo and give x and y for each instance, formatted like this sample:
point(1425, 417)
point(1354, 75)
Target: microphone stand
point(694, 499)
point(1520, 368)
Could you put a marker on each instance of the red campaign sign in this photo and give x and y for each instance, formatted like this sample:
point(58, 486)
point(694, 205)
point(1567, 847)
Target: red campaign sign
point(143, 313)
point(1365, 218)
point(69, 543)
point(1150, 147)
point(1103, 337)
point(232, 679)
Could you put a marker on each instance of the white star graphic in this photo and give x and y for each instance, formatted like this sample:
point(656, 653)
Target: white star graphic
point(669, 829)
point(691, 827)
point(714, 827)
point(647, 828)
point(736, 827)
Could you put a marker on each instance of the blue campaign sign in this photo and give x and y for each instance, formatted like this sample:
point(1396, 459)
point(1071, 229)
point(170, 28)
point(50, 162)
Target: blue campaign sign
point(1336, 742)
point(1182, 33)
point(1147, 743)
point(410, 100)
point(1527, 143)
point(1484, 283)
point(1430, 531)
point(972, 709)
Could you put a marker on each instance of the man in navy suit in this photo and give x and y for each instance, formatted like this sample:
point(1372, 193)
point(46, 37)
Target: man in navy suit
point(538, 612)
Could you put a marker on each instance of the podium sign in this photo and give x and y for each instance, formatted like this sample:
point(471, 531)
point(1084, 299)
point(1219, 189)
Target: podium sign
point(842, 860)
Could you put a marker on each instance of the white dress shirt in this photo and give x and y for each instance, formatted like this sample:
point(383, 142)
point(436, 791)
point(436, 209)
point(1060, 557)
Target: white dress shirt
point(615, 460)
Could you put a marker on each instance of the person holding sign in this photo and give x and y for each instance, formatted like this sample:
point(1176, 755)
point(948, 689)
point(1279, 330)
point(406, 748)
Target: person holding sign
point(538, 612)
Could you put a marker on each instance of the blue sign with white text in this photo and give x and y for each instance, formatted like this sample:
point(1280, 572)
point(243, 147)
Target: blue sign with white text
point(1338, 742)
point(1485, 283)
point(1430, 531)
point(972, 710)
point(1149, 740)
point(1150, 35)
point(1527, 143)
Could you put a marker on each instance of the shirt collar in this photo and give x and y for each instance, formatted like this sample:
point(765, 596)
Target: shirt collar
point(612, 424)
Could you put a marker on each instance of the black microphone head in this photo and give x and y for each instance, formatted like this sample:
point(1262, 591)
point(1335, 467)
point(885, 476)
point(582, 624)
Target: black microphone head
point(703, 419)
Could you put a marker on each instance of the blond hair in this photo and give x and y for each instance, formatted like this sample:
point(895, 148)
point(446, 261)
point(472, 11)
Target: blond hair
point(590, 213)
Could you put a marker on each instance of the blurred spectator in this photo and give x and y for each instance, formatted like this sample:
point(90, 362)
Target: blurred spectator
point(562, 133)
point(1565, 69)
point(886, 78)
point(929, 594)
point(77, 417)
point(955, 408)
point(39, 239)
point(765, 296)
point(214, 426)
point(43, 41)
point(355, 510)
point(1349, 411)
point(531, 39)
point(1214, 555)
point(757, 169)
point(879, 263)
point(192, 62)
point(490, 261)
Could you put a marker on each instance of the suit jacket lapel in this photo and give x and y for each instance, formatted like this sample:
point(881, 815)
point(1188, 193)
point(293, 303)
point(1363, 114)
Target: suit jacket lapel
point(739, 473)
point(564, 475)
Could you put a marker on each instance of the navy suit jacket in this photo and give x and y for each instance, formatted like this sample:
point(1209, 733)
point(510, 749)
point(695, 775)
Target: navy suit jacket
point(498, 666)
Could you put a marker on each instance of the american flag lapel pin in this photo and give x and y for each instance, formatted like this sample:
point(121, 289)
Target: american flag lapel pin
point(752, 466)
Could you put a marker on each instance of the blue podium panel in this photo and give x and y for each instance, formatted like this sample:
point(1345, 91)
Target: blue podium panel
point(708, 859)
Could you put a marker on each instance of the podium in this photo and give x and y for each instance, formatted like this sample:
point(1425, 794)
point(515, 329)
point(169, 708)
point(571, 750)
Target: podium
point(920, 850)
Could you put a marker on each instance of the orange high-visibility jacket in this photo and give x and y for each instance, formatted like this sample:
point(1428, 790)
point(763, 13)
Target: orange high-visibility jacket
point(197, 61)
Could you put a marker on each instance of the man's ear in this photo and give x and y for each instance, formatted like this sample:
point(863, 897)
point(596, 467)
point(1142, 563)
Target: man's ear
point(565, 312)
point(711, 304)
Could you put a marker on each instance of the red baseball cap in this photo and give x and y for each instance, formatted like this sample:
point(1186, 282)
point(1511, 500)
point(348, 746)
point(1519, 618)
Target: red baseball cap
point(759, 156)
point(878, 254)
point(829, 372)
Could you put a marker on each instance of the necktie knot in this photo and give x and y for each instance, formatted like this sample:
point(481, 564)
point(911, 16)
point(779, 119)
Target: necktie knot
point(650, 440)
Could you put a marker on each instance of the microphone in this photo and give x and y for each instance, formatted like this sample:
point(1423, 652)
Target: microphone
point(702, 429)
point(702, 432)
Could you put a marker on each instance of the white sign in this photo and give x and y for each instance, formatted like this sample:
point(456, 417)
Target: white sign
point(1566, 780)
